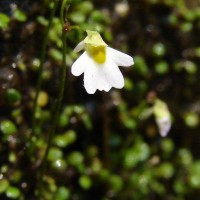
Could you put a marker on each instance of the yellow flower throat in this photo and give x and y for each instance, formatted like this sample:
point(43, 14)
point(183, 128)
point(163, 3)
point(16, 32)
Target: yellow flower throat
point(97, 53)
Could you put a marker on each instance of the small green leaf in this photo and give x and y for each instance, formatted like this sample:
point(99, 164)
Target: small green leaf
point(63, 140)
point(63, 193)
point(7, 127)
point(191, 119)
point(4, 20)
point(13, 95)
point(54, 154)
point(140, 65)
point(159, 49)
point(55, 54)
point(85, 182)
point(77, 17)
point(85, 7)
point(42, 20)
point(162, 67)
point(19, 15)
point(75, 158)
point(116, 182)
point(165, 170)
point(12, 192)
point(3, 185)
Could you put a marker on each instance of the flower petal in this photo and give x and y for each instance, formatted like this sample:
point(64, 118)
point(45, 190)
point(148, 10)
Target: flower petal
point(90, 76)
point(79, 46)
point(95, 78)
point(80, 64)
point(120, 59)
point(113, 74)
point(164, 125)
point(102, 82)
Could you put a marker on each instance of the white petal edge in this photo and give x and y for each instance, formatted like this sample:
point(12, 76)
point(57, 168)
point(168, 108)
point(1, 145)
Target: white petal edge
point(102, 82)
point(79, 46)
point(113, 74)
point(120, 59)
point(80, 64)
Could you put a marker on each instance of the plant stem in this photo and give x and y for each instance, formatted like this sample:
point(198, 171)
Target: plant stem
point(42, 58)
point(62, 86)
point(60, 97)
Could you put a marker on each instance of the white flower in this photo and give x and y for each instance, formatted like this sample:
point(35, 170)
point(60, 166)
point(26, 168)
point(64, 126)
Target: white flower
point(99, 63)
point(164, 125)
point(162, 115)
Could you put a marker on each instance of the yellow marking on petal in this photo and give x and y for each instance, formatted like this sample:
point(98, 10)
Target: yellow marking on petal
point(97, 53)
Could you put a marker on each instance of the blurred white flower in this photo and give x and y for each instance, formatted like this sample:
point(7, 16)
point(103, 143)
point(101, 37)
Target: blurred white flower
point(164, 125)
point(99, 63)
point(162, 116)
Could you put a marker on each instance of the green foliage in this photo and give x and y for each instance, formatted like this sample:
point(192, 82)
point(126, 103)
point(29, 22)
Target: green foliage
point(85, 182)
point(65, 139)
point(159, 49)
point(63, 193)
point(4, 183)
point(12, 192)
point(8, 127)
point(13, 95)
point(19, 15)
point(4, 21)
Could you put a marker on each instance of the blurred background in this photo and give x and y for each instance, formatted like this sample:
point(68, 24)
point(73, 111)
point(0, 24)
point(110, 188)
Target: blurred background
point(107, 145)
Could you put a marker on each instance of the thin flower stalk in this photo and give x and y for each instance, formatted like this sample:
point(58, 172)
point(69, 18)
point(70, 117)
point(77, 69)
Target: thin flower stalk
point(60, 96)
